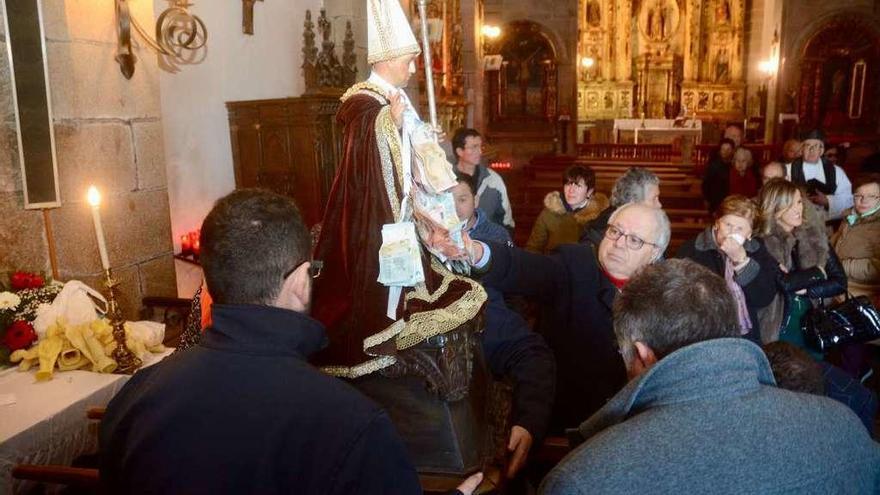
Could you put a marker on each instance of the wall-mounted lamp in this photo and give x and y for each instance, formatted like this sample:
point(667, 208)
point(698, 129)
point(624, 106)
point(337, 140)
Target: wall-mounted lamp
point(588, 62)
point(491, 32)
point(768, 67)
point(180, 36)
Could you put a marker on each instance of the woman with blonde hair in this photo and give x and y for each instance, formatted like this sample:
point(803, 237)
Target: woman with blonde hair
point(796, 239)
point(729, 249)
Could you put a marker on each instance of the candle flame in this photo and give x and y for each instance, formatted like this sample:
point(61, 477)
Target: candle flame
point(94, 196)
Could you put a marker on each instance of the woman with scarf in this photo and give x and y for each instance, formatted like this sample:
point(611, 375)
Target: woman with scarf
point(566, 213)
point(857, 242)
point(729, 249)
point(796, 239)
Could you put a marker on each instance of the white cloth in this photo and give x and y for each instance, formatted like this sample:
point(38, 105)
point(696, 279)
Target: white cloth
point(76, 304)
point(47, 423)
point(842, 199)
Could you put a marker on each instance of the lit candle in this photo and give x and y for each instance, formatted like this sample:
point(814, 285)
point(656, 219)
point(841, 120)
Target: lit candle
point(185, 245)
point(94, 198)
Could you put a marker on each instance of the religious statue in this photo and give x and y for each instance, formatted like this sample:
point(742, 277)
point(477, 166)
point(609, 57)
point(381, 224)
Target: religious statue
point(594, 13)
point(377, 208)
point(722, 66)
point(722, 12)
point(658, 21)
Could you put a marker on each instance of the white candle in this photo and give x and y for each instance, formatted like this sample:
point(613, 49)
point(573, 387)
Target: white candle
point(95, 201)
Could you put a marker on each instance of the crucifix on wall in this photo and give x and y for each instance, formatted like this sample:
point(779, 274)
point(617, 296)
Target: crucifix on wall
point(247, 16)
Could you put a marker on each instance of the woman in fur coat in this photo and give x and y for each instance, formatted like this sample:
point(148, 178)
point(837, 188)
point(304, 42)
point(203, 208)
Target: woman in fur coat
point(565, 214)
point(810, 269)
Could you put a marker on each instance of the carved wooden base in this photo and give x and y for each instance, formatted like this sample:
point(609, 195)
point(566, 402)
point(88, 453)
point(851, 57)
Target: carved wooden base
point(440, 397)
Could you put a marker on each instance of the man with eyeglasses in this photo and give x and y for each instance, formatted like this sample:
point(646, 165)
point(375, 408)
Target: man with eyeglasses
point(577, 285)
point(243, 411)
point(827, 185)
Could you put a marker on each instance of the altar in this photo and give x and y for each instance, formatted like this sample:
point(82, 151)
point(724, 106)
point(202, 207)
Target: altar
point(657, 131)
point(45, 422)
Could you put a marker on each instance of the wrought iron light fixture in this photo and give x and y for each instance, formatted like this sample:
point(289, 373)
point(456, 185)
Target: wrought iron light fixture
point(180, 36)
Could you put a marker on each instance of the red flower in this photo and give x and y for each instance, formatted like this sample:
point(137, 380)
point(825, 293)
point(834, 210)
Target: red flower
point(19, 335)
point(25, 280)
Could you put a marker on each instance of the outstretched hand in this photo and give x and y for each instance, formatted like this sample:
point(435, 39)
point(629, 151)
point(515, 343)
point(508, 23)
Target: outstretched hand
point(519, 445)
point(468, 486)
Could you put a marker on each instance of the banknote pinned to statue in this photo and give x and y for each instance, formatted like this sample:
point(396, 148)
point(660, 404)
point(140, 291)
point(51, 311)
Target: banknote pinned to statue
point(430, 167)
point(437, 223)
point(400, 262)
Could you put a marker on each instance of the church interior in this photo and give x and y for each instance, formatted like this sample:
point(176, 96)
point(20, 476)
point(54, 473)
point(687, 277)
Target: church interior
point(165, 106)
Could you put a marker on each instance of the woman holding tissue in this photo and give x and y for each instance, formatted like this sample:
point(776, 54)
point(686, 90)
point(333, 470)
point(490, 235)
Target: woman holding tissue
point(728, 249)
point(796, 239)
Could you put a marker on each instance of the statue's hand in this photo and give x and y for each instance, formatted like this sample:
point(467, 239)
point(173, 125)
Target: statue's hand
point(397, 108)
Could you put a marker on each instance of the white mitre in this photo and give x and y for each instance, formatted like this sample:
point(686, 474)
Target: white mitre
point(389, 34)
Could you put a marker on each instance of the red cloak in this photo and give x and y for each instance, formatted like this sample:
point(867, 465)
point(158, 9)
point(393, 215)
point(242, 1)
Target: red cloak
point(348, 299)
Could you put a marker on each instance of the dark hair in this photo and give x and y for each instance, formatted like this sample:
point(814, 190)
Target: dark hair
point(461, 136)
point(726, 141)
point(794, 369)
point(250, 239)
point(470, 180)
point(575, 173)
point(841, 152)
point(673, 304)
point(865, 179)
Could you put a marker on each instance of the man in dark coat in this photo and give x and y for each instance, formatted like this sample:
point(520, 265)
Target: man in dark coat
point(636, 185)
point(577, 286)
point(243, 412)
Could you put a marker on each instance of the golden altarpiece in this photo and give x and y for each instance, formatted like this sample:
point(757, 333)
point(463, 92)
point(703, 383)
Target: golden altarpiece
point(661, 59)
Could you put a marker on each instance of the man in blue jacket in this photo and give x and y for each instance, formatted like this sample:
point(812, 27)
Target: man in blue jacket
point(702, 413)
point(243, 411)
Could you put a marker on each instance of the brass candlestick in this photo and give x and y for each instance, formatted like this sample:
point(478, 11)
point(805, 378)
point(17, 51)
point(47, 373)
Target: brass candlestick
point(127, 363)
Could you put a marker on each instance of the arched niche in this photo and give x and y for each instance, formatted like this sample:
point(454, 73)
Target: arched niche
point(839, 76)
point(522, 89)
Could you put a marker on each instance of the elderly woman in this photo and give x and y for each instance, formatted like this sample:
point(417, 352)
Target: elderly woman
point(566, 213)
point(729, 249)
point(743, 179)
point(858, 241)
point(811, 269)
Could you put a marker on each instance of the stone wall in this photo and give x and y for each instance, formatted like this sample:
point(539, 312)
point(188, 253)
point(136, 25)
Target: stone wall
point(108, 132)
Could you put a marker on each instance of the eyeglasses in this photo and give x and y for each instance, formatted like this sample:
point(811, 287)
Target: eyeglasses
point(865, 198)
point(314, 268)
point(632, 242)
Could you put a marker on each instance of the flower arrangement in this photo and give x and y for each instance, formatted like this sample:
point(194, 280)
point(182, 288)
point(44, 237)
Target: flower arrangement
point(18, 308)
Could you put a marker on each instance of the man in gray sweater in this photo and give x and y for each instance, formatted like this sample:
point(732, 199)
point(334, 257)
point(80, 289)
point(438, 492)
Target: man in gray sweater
point(702, 413)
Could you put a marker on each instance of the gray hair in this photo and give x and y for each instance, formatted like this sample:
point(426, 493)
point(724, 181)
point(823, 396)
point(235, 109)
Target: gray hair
point(661, 222)
point(671, 305)
point(743, 153)
point(630, 188)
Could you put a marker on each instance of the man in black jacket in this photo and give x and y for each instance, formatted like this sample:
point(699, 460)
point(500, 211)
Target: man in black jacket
point(576, 287)
point(243, 412)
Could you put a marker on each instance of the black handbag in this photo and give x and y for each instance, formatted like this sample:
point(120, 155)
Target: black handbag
point(853, 320)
